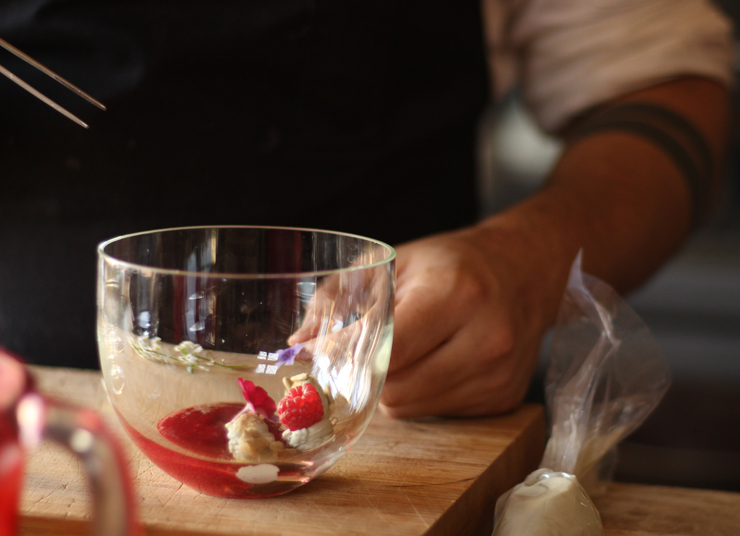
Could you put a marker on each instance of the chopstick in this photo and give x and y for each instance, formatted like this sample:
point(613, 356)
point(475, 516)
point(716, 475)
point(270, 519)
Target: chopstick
point(7, 46)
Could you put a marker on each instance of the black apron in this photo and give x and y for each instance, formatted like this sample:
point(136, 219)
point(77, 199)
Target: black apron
point(351, 116)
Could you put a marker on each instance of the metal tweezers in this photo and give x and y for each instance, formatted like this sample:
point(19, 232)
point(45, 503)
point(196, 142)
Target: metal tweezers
point(7, 46)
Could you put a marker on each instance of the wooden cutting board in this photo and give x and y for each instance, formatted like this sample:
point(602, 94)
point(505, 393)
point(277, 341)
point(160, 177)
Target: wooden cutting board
point(638, 510)
point(431, 477)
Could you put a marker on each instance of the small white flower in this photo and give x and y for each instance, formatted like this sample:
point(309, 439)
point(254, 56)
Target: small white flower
point(187, 353)
point(190, 358)
point(188, 348)
point(153, 344)
point(146, 344)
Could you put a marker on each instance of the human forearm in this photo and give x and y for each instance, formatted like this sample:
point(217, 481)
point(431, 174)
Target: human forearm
point(618, 195)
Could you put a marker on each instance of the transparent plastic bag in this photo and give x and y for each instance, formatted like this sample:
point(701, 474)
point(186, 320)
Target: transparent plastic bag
point(606, 375)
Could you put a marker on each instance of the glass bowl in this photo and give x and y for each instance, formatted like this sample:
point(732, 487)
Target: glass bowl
point(244, 361)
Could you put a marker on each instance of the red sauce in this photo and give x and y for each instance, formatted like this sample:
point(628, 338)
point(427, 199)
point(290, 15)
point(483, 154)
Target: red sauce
point(11, 473)
point(201, 430)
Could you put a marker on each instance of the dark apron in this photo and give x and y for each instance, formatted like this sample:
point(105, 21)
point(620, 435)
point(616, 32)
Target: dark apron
point(351, 116)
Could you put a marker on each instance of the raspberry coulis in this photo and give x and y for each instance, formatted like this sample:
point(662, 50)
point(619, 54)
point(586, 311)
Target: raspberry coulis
point(201, 430)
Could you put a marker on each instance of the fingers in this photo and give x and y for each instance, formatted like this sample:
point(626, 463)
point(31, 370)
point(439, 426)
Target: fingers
point(471, 396)
point(419, 328)
point(341, 298)
point(346, 317)
point(435, 298)
point(474, 373)
point(475, 396)
point(339, 344)
point(322, 314)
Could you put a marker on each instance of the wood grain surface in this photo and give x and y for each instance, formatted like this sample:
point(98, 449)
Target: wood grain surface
point(431, 477)
point(638, 510)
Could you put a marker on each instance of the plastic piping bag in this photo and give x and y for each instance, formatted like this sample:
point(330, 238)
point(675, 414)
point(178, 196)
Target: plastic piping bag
point(606, 375)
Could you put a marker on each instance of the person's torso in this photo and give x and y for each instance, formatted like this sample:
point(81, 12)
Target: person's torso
point(358, 117)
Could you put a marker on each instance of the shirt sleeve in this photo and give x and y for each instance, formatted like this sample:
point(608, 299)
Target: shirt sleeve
point(569, 55)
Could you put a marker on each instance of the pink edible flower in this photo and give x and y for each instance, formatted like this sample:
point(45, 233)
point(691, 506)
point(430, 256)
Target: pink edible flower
point(258, 401)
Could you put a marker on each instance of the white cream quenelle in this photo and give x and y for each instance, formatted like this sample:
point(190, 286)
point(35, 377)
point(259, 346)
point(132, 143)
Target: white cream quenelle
point(547, 504)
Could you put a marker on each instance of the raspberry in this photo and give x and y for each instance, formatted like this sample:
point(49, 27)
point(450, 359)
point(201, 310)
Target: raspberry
point(301, 407)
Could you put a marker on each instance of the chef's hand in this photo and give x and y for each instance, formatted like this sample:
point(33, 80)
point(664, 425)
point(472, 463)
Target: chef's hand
point(472, 305)
point(471, 309)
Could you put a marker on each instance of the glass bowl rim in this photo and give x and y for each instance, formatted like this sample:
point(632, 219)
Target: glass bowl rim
point(235, 275)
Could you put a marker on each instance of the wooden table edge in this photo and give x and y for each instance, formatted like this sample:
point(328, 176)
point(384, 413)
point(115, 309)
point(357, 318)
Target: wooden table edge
point(524, 453)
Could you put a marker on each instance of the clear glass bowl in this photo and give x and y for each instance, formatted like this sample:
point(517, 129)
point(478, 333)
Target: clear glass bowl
point(244, 361)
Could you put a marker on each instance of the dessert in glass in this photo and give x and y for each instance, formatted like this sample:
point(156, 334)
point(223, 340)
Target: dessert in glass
point(244, 361)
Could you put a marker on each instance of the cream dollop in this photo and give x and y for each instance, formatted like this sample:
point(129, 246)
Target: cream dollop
point(312, 437)
point(258, 474)
point(547, 503)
